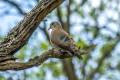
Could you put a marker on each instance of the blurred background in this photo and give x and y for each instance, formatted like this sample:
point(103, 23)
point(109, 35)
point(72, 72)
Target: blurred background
point(88, 21)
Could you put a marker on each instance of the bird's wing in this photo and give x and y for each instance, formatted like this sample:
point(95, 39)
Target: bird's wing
point(63, 40)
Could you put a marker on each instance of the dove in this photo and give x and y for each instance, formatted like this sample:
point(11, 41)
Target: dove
point(59, 38)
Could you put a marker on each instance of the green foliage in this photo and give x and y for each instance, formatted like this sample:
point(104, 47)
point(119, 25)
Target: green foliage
point(55, 67)
point(102, 68)
point(22, 54)
point(1, 38)
point(108, 47)
point(2, 78)
point(41, 74)
point(80, 12)
point(95, 31)
point(102, 6)
point(81, 43)
point(44, 46)
point(93, 13)
point(94, 27)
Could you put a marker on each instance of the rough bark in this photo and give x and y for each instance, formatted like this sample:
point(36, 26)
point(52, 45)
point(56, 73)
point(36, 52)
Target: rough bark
point(20, 34)
point(36, 61)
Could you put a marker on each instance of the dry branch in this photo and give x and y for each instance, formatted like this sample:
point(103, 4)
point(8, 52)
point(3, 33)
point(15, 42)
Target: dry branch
point(21, 33)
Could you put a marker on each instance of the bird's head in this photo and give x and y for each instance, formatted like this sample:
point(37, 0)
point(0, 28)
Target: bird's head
point(55, 25)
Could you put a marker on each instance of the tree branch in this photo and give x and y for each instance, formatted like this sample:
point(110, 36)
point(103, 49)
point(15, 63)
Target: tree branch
point(38, 60)
point(21, 33)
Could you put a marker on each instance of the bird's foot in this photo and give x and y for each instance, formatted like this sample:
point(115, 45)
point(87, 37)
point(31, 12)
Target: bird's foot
point(65, 52)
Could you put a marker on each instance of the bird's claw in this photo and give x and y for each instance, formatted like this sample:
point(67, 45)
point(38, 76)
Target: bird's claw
point(65, 52)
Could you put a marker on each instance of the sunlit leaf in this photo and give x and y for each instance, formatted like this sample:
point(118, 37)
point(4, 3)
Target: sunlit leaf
point(44, 45)
point(81, 43)
point(108, 47)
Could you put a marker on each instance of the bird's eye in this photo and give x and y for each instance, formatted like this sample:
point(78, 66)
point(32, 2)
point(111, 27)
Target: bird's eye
point(52, 23)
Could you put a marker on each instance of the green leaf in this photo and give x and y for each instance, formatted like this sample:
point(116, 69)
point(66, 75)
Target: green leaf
point(102, 6)
point(44, 45)
point(57, 72)
point(2, 78)
point(93, 13)
point(80, 12)
point(41, 73)
point(108, 47)
point(21, 54)
point(81, 43)
point(55, 67)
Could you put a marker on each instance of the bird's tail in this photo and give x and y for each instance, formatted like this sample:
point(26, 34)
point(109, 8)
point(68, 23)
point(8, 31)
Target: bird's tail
point(75, 51)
